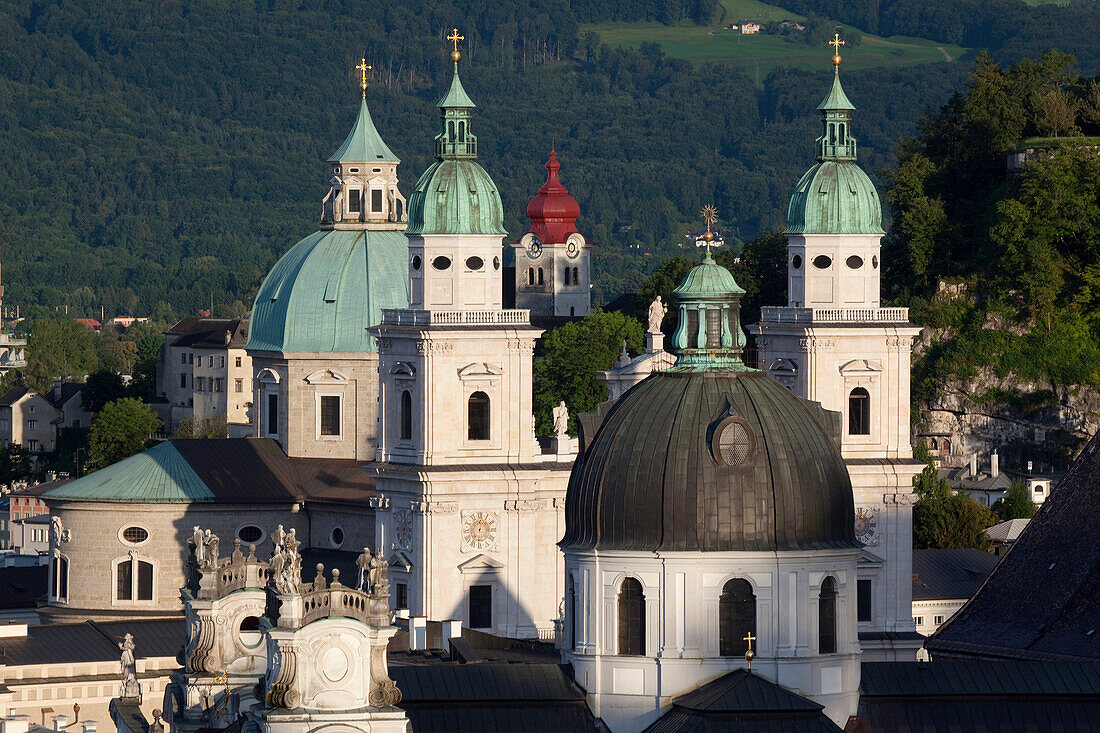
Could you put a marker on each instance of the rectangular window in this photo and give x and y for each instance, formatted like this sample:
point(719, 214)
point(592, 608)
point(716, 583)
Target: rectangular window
point(191, 358)
point(221, 361)
point(918, 620)
point(199, 383)
point(481, 606)
point(237, 361)
point(59, 583)
point(238, 385)
point(376, 200)
point(32, 445)
point(183, 381)
point(183, 358)
point(32, 424)
point(30, 408)
point(937, 620)
point(218, 384)
point(124, 590)
point(353, 200)
point(273, 414)
point(402, 595)
point(330, 415)
point(863, 599)
point(145, 581)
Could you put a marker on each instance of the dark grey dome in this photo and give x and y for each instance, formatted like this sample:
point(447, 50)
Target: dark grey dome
point(709, 460)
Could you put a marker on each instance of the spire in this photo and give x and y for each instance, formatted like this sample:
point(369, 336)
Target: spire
point(552, 211)
point(708, 335)
point(363, 144)
point(836, 142)
point(455, 141)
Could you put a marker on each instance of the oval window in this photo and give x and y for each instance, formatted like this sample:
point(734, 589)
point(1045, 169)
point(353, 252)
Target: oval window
point(496, 263)
point(474, 263)
point(337, 537)
point(250, 534)
point(823, 262)
point(796, 262)
point(733, 443)
point(854, 262)
point(441, 262)
point(135, 535)
point(416, 262)
point(874, 262)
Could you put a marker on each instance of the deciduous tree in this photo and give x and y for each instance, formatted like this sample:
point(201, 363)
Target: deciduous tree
point(120, 430)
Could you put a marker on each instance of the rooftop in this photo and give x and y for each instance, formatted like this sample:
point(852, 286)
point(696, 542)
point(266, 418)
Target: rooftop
point(950, 574)
point(210, 333)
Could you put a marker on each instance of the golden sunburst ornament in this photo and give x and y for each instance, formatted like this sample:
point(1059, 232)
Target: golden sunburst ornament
point(710, 215)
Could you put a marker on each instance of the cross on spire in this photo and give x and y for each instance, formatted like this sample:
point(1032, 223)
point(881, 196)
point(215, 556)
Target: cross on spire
point(836, 43)
point(363, 69)
point(749, 655)
point(455, 38)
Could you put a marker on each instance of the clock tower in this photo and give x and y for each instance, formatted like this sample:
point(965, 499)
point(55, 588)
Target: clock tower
point(835, 344)
point(468, 508)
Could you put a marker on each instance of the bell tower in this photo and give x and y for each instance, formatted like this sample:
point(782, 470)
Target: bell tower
point(835, 344)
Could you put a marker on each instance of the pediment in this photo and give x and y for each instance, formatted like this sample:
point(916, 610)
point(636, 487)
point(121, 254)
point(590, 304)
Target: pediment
point(400, 561)
point(857, 366)
point(480, 369)
point(402, 367)
point(326, 376)
point(784, 366)
point(481, 563)
point(868, 559)
point(268, 376)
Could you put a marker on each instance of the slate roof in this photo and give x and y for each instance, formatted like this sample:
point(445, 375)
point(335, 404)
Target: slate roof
point(647, 480)
point(63, 393)
point(490, 697)
point(745, 702)
point(959, 478)
point(233, 471)
point(20, 587)
point(209, 333)
point(1043, 599)
point(93, 641)
point(13, 395)
point(980, 696)
point(1006, 531)
point(946, 574)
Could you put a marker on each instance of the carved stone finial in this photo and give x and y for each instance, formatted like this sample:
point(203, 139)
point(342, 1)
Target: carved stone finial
point(336, 576)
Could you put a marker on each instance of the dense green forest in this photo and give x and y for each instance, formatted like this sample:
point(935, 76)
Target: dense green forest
point(156, 159)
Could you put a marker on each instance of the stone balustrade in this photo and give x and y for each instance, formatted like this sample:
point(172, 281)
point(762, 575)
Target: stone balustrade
point(406, 317)
point(773, 314)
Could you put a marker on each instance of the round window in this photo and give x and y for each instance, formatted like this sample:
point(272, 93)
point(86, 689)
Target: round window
point(733, 442)
point(496, 263)
point(416, 262)
point(823, 262)
point(250, 632)
point(135, 535)
point(337, 536)
point(441, 262)
point(474, 263)
point(854, 262)
point(874, 262)
point(796, 262)
point(250, 534)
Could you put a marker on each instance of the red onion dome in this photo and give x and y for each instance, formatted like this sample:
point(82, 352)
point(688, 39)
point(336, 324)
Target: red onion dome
point(553, 211)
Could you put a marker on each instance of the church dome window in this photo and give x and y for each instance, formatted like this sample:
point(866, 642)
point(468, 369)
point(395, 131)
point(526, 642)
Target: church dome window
point(441, 263)
point(854, 262)
point(796, 262)
point(337, 537)
point(874, 262)
point(250, 534)
point(823, 262)
point(135, 535)
point(826, 617)
point(353, 170)
point(250, 632)
point(416, 262)
point(733, 443)
point(736, 617)
point(376, 170)
point(474, 263)
point(631, 618)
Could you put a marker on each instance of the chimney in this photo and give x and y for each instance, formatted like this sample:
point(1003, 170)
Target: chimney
point(61, 722)
point(16, 724)
point(451, 630)
point(418, 633)
point(973, 465)
point(994, 464)
point(89, 726)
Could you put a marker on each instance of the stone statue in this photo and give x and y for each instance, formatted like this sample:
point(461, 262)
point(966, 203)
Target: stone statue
point(379, 585)
point(363, 563)
point(561, 419)
point(199, 541)
point(286, 562)
point(210, 550)
point(57, 531)
point(128, 668)
point(657, 312)
point(278, 536)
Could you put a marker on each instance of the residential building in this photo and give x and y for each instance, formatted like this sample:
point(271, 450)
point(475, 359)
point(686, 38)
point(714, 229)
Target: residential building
point(67, 398)
point(1004, 534)
point(943, 580)
point(750, 28)
point(205, 371)
point(31, 536)
point(27, 418)
point(983, 486)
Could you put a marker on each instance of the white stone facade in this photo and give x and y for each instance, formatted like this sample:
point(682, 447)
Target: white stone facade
point(682, 591)
point(627, 372)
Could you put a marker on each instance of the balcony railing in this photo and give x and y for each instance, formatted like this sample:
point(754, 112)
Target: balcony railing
point(405, 317)
point(772, 314)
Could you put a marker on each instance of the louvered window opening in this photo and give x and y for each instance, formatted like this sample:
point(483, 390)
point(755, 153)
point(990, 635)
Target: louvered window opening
point(631, 618)
point(826, 617)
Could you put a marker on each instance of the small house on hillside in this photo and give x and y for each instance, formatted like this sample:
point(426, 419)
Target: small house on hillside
point(750, 28)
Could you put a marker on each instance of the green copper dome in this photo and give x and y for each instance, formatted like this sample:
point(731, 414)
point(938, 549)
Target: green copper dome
point(455, 195)
point(708, 333)
point(708, 279)
point(363, 143)
point(835, 196)
point(325, 292)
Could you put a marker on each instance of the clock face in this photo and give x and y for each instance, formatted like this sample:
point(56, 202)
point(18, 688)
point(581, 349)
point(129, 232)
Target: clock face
point(534, 249)
point(866, 525)
point(479, 530)
point(571, 248)
point(402, 527)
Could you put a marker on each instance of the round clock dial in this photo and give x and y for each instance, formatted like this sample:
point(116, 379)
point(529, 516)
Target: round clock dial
point(534, 249)
point(479, 530)
point(402, 527)
point(866, 526)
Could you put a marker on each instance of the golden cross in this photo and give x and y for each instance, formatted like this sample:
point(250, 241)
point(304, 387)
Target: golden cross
point(455, 38)
point(363, 69)
point(836, 43)
point(749, 653)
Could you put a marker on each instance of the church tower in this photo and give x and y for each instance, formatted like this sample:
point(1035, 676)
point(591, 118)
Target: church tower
point(833, 343)
point(553, 259)
point(468, 509)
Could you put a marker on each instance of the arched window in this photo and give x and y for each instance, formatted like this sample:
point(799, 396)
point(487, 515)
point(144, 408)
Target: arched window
point(736, 617)
point(826, 617)
point(631, 618)
point(565, 276)
point(406, 415)
point(842, 133)
point(576, 273)
point(832, 134)
point(933, 445)
point(134, 580)
point(462, 132)
point(571, 609)
point(59, 578)
point(451, 131)
point(530, 276)
point(540, 276)
point(859, 412)
point(946, 446)
point(478, 428)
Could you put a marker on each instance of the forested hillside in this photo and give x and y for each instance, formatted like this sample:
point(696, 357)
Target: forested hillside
point(155, 158)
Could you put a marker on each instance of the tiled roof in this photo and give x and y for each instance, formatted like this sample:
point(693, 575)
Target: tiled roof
point(210, 333)
point(947, 574)
point(1006, 531)
point(13, 395)
point(1043, 599)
